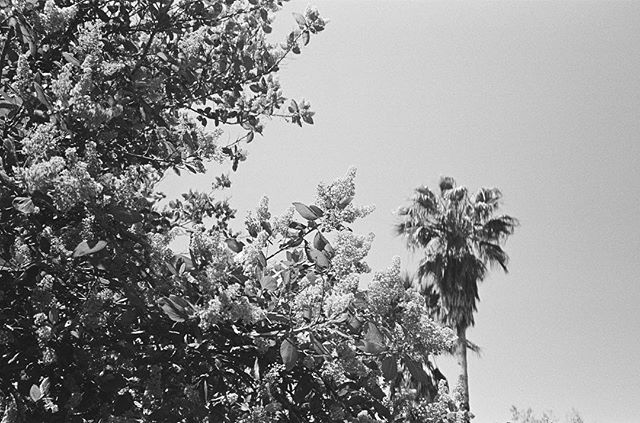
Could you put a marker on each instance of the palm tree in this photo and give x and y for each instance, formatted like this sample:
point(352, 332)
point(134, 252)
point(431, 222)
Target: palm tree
point(461, 237)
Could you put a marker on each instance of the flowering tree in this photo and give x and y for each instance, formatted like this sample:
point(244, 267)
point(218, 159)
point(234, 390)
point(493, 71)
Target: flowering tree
point(100, 319)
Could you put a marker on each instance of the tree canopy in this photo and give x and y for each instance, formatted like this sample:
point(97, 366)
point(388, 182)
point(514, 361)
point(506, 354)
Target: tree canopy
point(101, 320)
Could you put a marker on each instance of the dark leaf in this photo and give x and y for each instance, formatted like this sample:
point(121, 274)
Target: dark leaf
point(303, 388)
point(319, 241)
point(389, 368)
point(234, 245)
point(345, 202)
point(125, 215)
point(305, 211)
point(41, 95)
point(316, 210)
point(293, 107)
point(416, 370)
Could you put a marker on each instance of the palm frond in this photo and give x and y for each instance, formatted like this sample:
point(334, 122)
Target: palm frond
point(498, 228)
point(493, 254)
point(446, 183)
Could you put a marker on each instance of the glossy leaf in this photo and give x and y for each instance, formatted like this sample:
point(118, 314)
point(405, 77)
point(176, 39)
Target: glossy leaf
point(35, 393)
point(268, 283)
point(305, 211)
point(319, 258)
point(234, 245)
point(84, 248)
point(24, 205)
point(373, 340)
point(316, 210)
point(288, 353)
point(319, 241)
point(44, 386)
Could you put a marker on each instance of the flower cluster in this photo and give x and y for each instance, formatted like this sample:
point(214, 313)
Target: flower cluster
point(445, 409)
point(386, 289)
point(335, 199)
point(424, 333)
point(350, 251)
point(56, 19)
point(232, 306)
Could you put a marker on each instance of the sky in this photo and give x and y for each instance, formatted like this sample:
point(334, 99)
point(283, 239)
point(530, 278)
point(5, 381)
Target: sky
point(541, 99)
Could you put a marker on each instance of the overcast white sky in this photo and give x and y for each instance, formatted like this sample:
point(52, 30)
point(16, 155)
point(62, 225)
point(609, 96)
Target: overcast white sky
point(541, 99)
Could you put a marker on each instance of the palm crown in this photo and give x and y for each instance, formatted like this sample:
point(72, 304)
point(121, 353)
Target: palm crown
point(461, 237)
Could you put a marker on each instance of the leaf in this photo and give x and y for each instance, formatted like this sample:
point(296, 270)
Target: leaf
point(345, 202)
point(262, 260)
point(293, 107)
point(266, 226)
point(83, 248)
point(373, 340)
point(305, 211)
point(307, 118)
point(182, 263)
point(41, 95)
point(54, 315)
point(319, 241)
point(317, 345)
point(316, 210)
point(301, 21)
point(354, 322)
point(289, 354)
point(35, 393)
point(389, 368)
point(234, 245)
point(329, 251)
point(24, 205)
point(44, 386)
point(416, 370)
point(182, 305)
point(319, 258)
point(303, 388)
point(172, 310)
point(382, 410)
point(305, 38)
point(69, 58)
point(125, 215)
point(268, 283)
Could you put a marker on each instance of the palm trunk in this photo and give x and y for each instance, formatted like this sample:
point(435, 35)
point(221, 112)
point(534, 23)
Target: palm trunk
point(461, 356)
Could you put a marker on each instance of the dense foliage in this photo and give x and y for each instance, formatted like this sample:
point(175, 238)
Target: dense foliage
point(100, 319)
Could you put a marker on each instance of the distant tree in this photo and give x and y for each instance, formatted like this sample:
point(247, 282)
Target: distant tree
point(460, 236)
point(528, 416)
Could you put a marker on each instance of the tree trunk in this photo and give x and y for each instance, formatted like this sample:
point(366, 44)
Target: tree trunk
point(461, 356)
